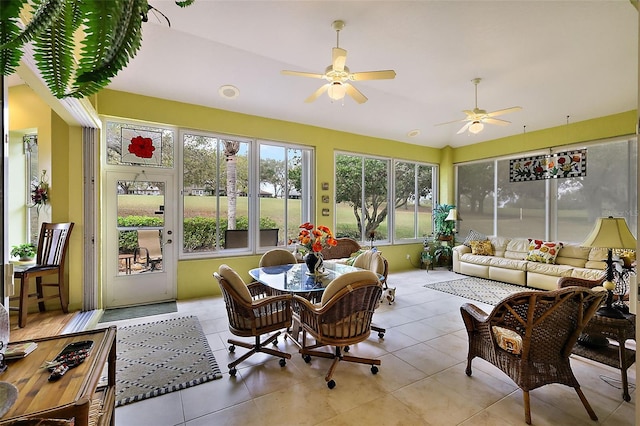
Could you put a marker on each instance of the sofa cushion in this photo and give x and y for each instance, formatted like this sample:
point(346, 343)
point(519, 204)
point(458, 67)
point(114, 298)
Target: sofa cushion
point(499, 245)
point(543, 251)
point(588, 274)
point(474, 236)
point(482, 248)
point(573, 254)
point(548, 269)
point(517, 248)
point(500, 262)
point(476, 259)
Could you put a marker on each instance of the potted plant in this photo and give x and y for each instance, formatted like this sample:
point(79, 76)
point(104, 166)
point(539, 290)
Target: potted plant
point(443, 229)
point(26, 251)
point(443, 254)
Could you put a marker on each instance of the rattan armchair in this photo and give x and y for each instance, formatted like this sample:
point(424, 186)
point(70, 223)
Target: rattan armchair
point(375, 262)
point(342, 318)
point(276, 257)
point(530, 335)
point(253, 311)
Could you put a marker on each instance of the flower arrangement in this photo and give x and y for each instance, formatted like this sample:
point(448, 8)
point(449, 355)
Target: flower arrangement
point(40, 192)
point(314, 239)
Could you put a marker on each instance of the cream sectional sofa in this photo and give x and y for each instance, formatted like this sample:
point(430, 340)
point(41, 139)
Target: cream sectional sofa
point(508, 263)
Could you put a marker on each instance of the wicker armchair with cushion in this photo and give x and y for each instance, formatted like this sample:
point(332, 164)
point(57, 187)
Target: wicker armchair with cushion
point(375, 262)
point(342, 318)
point(277, 257)
point(530, 335)
point(252, 312)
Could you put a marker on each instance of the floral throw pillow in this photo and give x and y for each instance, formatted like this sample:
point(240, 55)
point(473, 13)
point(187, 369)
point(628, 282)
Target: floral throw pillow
point(482, 248)
point(543, 251)
point(474, 236)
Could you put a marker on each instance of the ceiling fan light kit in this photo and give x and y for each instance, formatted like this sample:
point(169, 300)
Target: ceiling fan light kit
point(477, 118)
point(338, 74)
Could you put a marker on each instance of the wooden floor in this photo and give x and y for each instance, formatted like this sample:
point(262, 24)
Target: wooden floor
point(39, 324)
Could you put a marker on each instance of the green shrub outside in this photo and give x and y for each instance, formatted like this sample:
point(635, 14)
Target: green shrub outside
point(199, 232)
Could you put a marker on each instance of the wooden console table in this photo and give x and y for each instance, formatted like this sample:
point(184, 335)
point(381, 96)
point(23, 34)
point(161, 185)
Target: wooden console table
point(76, 394)
point(619, 330)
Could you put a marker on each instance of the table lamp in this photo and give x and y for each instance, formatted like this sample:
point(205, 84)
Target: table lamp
point(610, 233)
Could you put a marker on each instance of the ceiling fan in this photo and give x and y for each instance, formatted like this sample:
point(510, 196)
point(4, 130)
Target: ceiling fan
point(477, 118)
point(338, 75)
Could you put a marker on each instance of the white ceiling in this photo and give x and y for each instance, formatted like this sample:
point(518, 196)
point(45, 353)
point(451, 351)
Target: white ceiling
point(553, 58)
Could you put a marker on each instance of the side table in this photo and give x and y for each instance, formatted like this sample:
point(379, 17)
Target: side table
point(619, 330)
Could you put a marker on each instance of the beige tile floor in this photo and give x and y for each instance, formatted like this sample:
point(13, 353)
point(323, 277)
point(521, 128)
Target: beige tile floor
point(421, 380)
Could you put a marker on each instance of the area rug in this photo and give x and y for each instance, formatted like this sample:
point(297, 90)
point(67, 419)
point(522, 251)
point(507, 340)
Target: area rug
point(480, 289)
point(138, 311)
point(161, 357)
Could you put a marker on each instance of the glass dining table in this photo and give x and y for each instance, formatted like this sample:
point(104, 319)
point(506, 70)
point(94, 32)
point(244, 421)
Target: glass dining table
point(296, 279)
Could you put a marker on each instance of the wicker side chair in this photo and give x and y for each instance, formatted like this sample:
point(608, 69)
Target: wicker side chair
point(529, 336)
point(276, 257)
point(342, 318)
point(253, 311)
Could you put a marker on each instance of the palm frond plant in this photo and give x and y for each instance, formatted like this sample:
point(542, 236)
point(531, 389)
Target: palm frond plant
point(78, 45)
point(443, 229)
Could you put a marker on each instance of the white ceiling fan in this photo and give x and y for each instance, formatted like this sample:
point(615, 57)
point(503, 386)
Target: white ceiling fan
point(338, 75)
point(477, 118)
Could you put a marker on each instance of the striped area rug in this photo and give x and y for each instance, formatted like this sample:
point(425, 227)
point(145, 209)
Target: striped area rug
point(480, 289)
point(161, 357)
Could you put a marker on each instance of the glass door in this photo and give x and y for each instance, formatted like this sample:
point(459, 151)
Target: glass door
point(139, 231)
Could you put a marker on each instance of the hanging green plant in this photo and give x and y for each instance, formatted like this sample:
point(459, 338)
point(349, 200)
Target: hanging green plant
point(107, 34)
point(442, 228)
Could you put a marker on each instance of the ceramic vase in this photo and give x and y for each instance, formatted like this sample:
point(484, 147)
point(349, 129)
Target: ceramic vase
point(314, 262)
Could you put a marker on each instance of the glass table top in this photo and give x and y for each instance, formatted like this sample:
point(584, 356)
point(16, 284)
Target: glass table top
point(295, 278)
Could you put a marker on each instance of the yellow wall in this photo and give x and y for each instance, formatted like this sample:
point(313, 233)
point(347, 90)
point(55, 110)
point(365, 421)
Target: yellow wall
point(195, 276)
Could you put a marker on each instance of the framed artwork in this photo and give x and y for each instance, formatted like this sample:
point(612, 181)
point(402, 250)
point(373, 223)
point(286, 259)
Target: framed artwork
point(325, 199)
point(325, 186)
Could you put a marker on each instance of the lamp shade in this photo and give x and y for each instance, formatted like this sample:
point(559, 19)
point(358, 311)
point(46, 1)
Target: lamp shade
point(453, 215)
point(611, 232)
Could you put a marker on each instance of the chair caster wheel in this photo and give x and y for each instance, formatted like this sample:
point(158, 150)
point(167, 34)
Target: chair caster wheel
point(346, 348)
point(331, 384)
point(283, 362)
point(307, 358)
point(381, 335)
point(233, 372)
point(374, 369)
point(232, 348)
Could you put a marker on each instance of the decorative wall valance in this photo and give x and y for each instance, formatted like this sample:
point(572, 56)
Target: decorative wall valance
point(566, 164)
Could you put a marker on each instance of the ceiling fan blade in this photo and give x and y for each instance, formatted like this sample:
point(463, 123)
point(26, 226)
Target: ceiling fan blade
point(372, 75)
point(355, 93)
point(464, 128)
point(317, 93)
point(497, 121)
point(451, 122)
point(339, 58)
point(302, 74)
point(504, 111)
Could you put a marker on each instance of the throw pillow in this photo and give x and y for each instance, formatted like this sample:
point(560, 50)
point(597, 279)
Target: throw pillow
point(482, 248)
point(543, 251)
point(507, 339)
point(474, 236)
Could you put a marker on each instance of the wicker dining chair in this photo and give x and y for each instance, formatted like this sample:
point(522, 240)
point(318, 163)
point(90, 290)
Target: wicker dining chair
point(253, 311)
point(276, 257)
point(342, 318)
point(529, 336)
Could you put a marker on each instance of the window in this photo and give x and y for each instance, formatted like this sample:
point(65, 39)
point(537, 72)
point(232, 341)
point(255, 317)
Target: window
point(285, 189)
point(560, 209)
point(362, 197)
point(221, 212)
point(215, 188)
point(414, 194)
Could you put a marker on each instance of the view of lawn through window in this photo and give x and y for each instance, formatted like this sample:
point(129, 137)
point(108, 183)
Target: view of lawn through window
point(490, 204)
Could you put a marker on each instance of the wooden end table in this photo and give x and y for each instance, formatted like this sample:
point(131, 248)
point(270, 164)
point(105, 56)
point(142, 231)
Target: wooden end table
point(619, 330)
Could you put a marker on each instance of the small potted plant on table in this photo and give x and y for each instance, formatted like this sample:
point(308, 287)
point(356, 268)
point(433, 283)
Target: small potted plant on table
point(24, 252)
